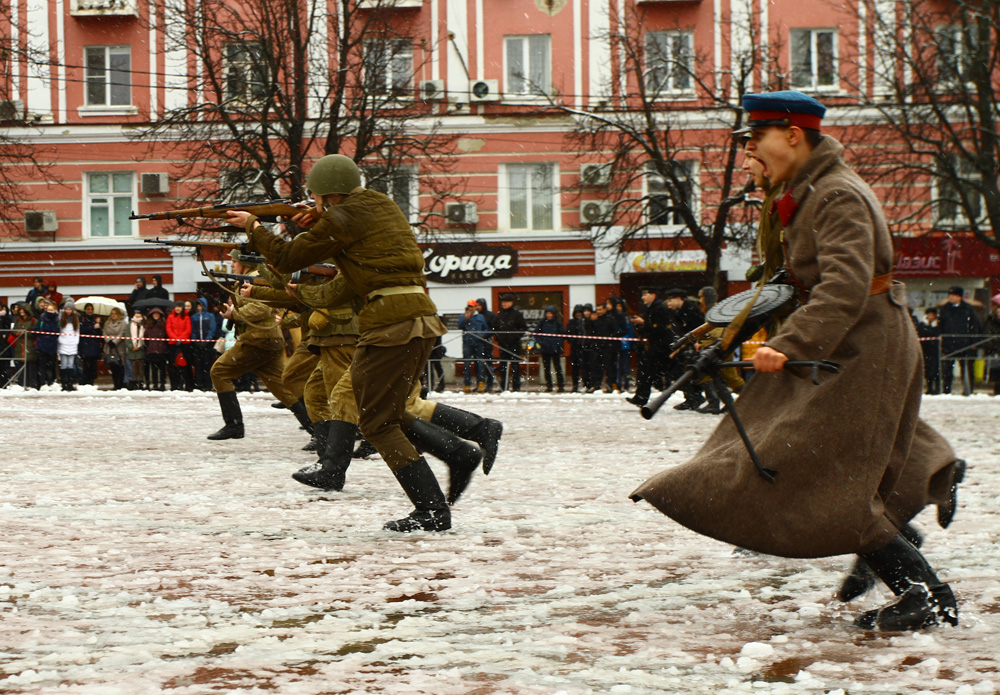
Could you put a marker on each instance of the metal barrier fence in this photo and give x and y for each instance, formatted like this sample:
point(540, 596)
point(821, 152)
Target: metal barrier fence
point(964, 351)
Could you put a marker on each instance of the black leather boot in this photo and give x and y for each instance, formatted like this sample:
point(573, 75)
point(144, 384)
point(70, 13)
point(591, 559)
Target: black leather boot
point(924, 600)
point(946, 511)
point(462, 456)
point(860, 580)
point(712, 406)
point(330, 472)
point(364, 450)
point(431, 512)
point(485, 432)
point(317, 442)
point(298, 409)
point(232, 415)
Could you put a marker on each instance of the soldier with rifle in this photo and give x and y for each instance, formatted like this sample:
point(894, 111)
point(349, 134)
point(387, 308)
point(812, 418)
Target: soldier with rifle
point(839, 479)
point(372, 243)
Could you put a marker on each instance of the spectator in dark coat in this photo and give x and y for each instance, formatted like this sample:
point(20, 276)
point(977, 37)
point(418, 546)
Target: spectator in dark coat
point(90, 347)
point(487, 348)
point(992, 328)
point(475, 335)
point(139, 293)
point(6, 340)
point(47, 342)
point(957, 320)
point(38, 289)
point(509, 327)
point(551, 347)
point(156, 350)
point(655, 325)
point(576, 327)
point(605, 326)
point(203, 329)
point(157, 289)
point(930, 344)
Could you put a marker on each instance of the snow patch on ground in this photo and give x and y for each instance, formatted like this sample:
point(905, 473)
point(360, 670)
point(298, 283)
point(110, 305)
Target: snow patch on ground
point(138, 557)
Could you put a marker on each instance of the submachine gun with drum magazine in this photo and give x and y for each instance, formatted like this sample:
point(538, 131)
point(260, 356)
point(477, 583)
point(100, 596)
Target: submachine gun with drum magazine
point(741, 316)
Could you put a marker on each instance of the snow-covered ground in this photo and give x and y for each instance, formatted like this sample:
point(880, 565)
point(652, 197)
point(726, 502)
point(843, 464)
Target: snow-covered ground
point(138, 557)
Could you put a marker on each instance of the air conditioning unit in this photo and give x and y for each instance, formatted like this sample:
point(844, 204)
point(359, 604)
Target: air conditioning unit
point(595, 175)
point(11, 110)
point(461, 213)
point(595, 211)
point(154, 184)
point(484, 90)
point(40, 221)
point(432, 90)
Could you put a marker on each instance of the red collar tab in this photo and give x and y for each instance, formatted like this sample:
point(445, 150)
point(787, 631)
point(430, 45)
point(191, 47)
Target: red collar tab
point(802, 120)
point(787, 208)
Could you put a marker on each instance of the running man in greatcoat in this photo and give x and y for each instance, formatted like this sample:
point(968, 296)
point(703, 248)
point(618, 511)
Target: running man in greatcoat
point(848, 477)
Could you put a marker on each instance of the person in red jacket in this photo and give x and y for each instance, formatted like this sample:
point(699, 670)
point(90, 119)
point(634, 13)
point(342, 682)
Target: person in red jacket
point(179, 341)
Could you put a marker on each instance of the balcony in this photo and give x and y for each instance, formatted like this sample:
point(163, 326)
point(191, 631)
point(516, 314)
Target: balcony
point(104, 8)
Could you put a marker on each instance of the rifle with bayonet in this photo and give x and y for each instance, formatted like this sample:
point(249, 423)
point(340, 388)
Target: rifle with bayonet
point(249, 279)
point(227, 245)
point(268, 211)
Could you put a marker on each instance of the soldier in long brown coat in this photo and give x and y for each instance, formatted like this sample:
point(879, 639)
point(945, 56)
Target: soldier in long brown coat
point(842, 448)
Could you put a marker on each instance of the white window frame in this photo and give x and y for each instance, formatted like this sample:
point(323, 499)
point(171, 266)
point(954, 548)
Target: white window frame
point(249, 71)
point(814, 33)
point(107, 76)
point(518, 86)
point(958, 220)
point(412, 193)
point(669, 61)
point(90, 199)
point(957, 61)
point(504, 199)
point(652, 191)
point(398, 87)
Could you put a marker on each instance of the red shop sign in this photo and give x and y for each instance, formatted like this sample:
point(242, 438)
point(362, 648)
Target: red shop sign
point(945, 255)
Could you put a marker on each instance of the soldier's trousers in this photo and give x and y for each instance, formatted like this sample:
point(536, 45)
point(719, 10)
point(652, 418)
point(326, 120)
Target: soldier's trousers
point(383, 378)
point(241, 359)
point(333, 362)
point(298, 368)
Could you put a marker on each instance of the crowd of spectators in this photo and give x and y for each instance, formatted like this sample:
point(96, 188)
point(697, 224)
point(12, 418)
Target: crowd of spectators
point(47, 337)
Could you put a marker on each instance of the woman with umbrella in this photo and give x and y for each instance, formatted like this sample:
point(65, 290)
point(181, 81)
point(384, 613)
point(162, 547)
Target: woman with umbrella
point(90, 344)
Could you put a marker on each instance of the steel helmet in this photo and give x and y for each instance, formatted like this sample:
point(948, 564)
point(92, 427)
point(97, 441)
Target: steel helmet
point(333, 174)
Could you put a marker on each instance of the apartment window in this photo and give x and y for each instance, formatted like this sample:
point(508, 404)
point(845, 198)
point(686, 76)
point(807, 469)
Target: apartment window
point(958, 185)
point(529, 60)
point(110, 200)
point(531, 195)
point(669, 62)
point(955, 46)
point(665, 207)
point(246, 75)
point(400, 184)
point(814, 58)
point(389, 67)
point(107, 74)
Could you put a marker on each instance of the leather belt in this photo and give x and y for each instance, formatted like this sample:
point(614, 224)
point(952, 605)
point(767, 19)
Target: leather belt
point(389, 291)
point(880, 284)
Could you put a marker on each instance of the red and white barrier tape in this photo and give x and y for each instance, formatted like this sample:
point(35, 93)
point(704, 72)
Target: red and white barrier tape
point(120, 337)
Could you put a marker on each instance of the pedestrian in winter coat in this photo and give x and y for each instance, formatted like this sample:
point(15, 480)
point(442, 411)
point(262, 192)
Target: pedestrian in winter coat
point(157, 290)
point(139, 293)
point(605, 326)
point(203, 330)
point(576, 327)
point(136, 352)
point(23, 347)
point(6, 340)
point(91, 344)
point(992, 348)
point(115, 346)
point(959, 326)
point(627, 343)
point(179, 360)
point(47, 341)
point(475, 344)
point(930, 343)
point(509, 326)
point(488, 347)
point(39, 289)
point(852, 468)
point(157, 350)
point(69, 344)
point(551, 346)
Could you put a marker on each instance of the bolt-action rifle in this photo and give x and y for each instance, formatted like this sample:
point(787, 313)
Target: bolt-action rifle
point(268, 211)
point(238, 277)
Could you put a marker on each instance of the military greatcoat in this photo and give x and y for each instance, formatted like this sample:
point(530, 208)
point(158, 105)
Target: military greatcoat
point(854, 461)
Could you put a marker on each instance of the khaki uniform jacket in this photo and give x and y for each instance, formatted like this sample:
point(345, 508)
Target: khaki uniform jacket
point(258, 324)
point(841, 449)
point(371, 242)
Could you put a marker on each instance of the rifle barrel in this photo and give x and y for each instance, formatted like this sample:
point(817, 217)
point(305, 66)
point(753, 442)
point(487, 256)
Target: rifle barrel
point(649, 410)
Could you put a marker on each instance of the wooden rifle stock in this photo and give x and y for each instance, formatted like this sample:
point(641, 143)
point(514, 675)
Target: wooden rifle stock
point(271, 208)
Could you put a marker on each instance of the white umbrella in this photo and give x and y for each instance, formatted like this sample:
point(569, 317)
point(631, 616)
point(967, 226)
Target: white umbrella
point(102, 305)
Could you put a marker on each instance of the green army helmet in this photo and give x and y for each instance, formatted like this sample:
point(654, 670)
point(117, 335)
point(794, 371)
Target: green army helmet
point(333, 174)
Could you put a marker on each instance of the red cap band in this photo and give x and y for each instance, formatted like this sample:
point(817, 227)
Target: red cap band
point(802, 120)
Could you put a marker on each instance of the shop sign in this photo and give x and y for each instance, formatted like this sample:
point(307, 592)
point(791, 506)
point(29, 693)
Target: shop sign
point(943, 255)
point(667, 261)
point(460, 264)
